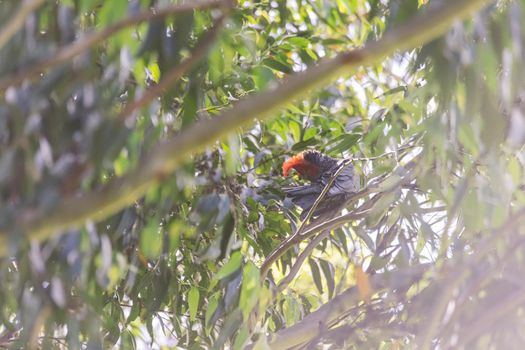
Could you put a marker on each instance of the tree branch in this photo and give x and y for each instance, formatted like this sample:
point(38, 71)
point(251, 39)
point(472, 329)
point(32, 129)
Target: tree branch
point(118, 193)
point(321, 196)
point(508, 304)
point(459, 269)
point(331, 312)
point(300, 260)
point(295, 239)
point(177, 72)
point(76, 48)
point(17, 21)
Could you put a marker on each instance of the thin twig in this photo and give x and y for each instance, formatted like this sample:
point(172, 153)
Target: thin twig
point(17, 21)
point(321, 196)
point(177, 72)
point(328, 314)
point(300, 260)
point(79, 46)
point(284, 246)
point(386, 154)
point(264, 161)
point(489, 317)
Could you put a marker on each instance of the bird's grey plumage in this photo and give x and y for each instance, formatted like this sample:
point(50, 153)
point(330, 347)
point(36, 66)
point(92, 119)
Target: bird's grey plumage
point(337, 196)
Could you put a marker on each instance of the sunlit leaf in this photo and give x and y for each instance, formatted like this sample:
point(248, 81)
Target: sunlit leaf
point(363, 284)
point(316, 275)
point(193, 302)
point(250, 289)
point(230, 267)
point(328, 272)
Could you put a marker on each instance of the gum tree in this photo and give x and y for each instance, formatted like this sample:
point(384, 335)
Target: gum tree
point(141, 145)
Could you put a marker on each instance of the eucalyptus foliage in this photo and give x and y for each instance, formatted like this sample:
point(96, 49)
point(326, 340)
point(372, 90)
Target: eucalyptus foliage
point(141, 145)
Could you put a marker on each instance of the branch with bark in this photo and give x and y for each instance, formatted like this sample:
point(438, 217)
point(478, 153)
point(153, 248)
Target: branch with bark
point(330, 314)
point(173, 75)
point(17, 21)
point(459, 269)
point(76, 48)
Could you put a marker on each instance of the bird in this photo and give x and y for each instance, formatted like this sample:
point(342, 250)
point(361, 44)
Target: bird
point(318, 169)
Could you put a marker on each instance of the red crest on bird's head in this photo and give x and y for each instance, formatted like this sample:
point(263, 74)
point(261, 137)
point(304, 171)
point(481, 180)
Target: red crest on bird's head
point(304, 167)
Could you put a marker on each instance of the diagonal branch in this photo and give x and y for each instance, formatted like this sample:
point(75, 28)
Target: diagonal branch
point(330, 313)
point(69, 52)
point(359, 213)
point(16, 22)
point(499, 312)
point(455, 276)
point(300, 260)
point(177, 72)
point(75, 211)
point(323, 193)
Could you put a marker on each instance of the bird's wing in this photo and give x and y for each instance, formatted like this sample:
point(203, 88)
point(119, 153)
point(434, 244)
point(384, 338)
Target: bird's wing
point(345, 182)
point(304, 196)
point(304, 190)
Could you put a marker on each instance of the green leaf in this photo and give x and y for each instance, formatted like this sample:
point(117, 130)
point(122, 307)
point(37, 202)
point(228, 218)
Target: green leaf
point(230, 267)
point(262, 76)
point(292, 310)
point(367, 239)
point(139, 72)
point(473, 210)
point(213, 302)
point(384, 202)
point(295, 129)
point(328, 271)
point(388, 184)
point(241, 338)
point(121, 164)
point(302, 145)
point(316, 274)
point(378, 262)
point(344, 143)
point(250, 289)
point(193, 302)
point(216, 62)
point(299, 41)
point(278, 65)
point(515, 170)
point(155, 71)
point(151, 239)
point(134, 312)
point(88, 4)
point(112, 10)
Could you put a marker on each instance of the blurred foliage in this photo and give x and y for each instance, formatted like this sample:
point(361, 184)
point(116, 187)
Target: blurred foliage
point(180, 266)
